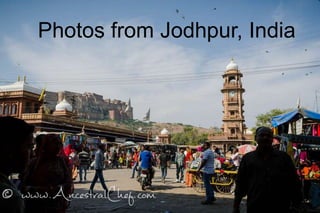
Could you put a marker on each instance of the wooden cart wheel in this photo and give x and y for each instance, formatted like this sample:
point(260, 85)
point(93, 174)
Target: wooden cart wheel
point(198, 183)
point(224, 183)
point(199, 187)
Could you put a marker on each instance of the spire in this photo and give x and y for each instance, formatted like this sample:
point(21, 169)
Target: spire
point(147, 117)
point(298, 103)
point(128, 106)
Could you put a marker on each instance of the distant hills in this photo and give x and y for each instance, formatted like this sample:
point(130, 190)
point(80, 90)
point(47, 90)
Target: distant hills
point(155, 127)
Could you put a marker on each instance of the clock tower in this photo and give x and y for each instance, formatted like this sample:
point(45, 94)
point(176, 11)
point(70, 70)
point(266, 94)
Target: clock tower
point(233, 119)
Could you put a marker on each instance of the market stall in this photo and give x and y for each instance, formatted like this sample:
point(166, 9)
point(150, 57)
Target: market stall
point(299, 135)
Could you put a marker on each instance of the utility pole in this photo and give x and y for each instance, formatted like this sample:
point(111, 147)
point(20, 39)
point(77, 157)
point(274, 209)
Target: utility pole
point(316, 100)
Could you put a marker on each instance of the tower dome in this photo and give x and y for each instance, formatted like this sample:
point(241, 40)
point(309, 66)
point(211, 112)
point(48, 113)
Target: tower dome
point(232, 66)
point(64, 105)
point(164, 132)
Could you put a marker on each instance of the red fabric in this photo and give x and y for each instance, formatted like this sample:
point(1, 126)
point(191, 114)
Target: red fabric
point(315, 129)
point(135, 156)
point(303, 155)
point(221, 159)
point(199, 148)
point(188, 157)
point(314, 167)
point(67, 150)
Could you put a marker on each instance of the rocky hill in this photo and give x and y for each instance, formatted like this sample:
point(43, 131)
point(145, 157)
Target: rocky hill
point(175, 128)
point(155, 127)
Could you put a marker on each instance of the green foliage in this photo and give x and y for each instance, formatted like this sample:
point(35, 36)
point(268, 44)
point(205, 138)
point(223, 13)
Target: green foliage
point(265, 119)
point(137, 124)
point(189, 136)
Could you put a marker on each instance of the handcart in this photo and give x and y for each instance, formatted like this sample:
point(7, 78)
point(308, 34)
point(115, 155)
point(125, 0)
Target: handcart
point(223, 181)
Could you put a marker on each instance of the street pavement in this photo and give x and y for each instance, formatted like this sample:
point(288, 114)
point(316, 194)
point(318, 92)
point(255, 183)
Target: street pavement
point(168, 197)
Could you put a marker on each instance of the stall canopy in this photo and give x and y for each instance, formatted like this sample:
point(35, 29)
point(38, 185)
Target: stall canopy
point(294, 116)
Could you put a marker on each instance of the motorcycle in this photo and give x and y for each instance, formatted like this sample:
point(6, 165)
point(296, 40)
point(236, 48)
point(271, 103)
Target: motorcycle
point(145, 178)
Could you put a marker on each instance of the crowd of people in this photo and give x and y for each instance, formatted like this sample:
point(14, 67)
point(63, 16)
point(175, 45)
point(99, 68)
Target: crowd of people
point(42, 172)
point(266, 176)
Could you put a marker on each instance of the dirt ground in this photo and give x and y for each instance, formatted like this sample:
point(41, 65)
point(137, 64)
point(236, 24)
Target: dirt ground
point(168, 197)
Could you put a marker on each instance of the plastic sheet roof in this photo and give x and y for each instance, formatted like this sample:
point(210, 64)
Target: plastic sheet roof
point(293, 116)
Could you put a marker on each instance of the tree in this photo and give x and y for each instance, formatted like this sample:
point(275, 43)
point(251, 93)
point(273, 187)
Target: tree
point(265, 119)
point(189, 136)
point(179, 138)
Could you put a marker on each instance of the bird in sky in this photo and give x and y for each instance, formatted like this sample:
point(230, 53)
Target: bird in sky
point(182, 16)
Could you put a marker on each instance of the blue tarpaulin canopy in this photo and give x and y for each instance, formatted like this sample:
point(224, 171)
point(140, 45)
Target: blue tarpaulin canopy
point(293, 116)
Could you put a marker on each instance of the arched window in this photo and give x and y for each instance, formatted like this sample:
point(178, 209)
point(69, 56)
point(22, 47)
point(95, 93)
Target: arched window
point(1, 109)
point(233, 131)
point(28, 107)
point(14, 109)
point(232, 80)
point(6, 109)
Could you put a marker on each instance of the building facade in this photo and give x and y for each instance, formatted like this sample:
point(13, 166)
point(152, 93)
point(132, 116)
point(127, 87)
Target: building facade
point(91, 106)
point(19, 98)
point(164, 137)
point(52, 112)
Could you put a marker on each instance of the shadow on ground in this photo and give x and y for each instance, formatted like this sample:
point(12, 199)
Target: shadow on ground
point(150, 200)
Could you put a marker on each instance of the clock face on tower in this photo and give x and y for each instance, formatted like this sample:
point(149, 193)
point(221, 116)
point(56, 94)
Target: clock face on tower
point(232, 93)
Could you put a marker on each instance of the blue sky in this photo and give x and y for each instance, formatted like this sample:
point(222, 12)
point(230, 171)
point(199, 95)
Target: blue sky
point(179, 79)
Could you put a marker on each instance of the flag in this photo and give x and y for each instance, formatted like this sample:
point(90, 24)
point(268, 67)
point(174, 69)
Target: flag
point(147, 117)
point(42, 94)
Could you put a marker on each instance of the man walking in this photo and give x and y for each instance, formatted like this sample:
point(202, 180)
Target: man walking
point(180, 164)
point(98, 166)
point(164, 159)
point(84, 158)
point(207, 168)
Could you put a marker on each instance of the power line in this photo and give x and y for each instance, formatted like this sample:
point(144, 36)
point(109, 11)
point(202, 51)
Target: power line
point(180, 77)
